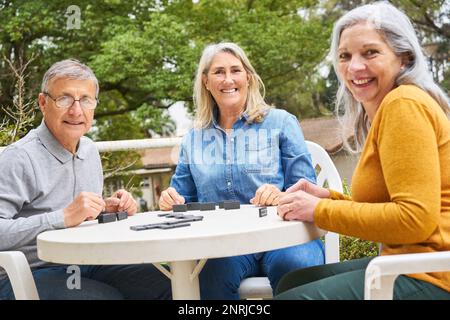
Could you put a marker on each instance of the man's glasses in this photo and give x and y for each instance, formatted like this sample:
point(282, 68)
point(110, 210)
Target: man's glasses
point(68, 101)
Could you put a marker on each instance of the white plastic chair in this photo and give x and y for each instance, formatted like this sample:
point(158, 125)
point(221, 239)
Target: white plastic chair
point(382, 271)
point(19, 273)
point(327, 175)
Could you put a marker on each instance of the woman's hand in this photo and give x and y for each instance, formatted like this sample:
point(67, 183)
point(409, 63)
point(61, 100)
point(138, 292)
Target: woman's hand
point(266, 195)
point(168, 198)
point(298, 205)
point(308, 187)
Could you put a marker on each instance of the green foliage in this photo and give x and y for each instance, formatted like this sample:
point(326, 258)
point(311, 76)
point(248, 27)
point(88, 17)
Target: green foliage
point(346, 188)
point(118, 171)
point(118, 166)
point(153, 58)
point(5, 135)
point(354, 248)
point(446, 83)
point(145, 52)
point(119, 127)
point(21, 113)
point(154, 120)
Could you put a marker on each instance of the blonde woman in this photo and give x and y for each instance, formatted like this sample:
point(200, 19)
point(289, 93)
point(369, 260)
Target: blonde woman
point(242, 150)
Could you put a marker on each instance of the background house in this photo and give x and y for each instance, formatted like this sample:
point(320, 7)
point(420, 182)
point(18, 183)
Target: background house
point(325, 132)
point(158, 168)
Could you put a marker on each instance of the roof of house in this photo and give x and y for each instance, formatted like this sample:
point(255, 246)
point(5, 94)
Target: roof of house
point(323, 131)
point(160, 158)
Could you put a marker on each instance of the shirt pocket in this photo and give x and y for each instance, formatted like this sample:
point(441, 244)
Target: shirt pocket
point(261, 160)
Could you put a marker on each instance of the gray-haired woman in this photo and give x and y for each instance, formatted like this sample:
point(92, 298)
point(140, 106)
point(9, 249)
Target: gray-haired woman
point(401, 185)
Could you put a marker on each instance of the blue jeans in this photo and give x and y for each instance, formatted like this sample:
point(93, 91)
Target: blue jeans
point(220, 278)
point(116, 282)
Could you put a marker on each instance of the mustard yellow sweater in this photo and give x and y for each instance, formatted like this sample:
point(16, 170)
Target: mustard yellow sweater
point(401, 185)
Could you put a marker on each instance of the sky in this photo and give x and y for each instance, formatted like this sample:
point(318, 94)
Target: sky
point(182, 119)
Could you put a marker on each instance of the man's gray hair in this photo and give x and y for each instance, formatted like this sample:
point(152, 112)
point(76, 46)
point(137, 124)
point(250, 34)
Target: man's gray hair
point(70, 69)
point(398, 32)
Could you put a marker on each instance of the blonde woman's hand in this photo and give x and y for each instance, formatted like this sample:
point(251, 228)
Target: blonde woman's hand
point(266, 195)
point(168, 198)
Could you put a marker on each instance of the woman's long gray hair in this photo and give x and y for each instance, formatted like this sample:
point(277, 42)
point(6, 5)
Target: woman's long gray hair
point(398, 32)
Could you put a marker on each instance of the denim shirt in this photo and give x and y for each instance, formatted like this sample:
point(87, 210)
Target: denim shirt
point(215, 166)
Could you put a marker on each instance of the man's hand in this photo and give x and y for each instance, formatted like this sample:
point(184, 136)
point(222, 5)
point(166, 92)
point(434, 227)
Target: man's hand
point(168, 198)
point(266, 195)
point(87, 205)
point(121, 200)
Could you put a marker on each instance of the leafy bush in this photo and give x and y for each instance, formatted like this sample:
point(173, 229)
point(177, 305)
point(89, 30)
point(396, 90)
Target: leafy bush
point(354, 248)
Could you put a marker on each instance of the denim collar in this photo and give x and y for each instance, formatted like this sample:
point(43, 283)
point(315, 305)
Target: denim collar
point(215, 122)
point(55, 148)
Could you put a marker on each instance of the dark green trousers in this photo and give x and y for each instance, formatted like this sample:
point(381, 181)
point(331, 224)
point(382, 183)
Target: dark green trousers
point(345, 281)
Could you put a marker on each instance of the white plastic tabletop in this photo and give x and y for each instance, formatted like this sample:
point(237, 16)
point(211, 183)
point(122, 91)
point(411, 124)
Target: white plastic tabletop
point(221, 233)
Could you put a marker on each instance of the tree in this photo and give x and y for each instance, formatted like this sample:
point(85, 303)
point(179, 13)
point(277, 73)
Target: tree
point(145, 52)
point(21, 113)
point(431, 18)
point(39, 28)
point(153, 59)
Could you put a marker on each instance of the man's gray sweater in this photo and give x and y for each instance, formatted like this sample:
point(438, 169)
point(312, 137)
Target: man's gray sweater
point(38, 179)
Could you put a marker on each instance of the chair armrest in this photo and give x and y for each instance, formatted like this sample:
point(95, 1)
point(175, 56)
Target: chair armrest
point(19, 273)
point(382, 271)
point(331, 247)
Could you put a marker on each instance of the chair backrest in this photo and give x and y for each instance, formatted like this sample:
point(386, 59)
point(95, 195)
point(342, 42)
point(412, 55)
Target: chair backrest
point(327, 176)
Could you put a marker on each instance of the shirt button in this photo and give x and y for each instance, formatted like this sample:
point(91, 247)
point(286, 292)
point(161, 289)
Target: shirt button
point(229, 183)
point(232, 139)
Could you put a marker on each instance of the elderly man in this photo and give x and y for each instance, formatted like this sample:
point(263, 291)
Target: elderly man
point(52, 178)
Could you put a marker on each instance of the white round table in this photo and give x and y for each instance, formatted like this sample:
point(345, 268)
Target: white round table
point(221, 233)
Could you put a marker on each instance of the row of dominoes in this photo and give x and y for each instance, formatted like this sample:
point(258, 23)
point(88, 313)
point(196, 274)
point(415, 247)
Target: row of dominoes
point(206, 206)
point(106, 217)
point(182, 221)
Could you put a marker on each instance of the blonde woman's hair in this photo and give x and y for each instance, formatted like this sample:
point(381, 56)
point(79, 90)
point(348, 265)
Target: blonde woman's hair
point(204, 102)
point(396, 29)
